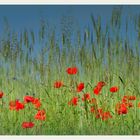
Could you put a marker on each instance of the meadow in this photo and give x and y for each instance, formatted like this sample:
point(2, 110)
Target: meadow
point(88, 85)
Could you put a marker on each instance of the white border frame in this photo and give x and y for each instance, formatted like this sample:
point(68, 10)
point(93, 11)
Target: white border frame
point(70, 2)
point(73, 2)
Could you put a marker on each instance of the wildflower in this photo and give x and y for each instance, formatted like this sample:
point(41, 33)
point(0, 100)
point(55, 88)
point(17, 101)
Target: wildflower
point(98, 87)
point(73, 101)
point(72, 70)
point(27, 124)
point(101, 84)
point(86, 97)
point(129, 104)
point(106, 116)
point(1, 94)
point(36, 102)
point(40, 115)
point(16, 105)
point(97, 90)
point(125, 99)
point(80, 87)
point(114, 89)
point(121, 108)
point(132, 98)
point(28, 99)
point(12, 105)
point(58, 84)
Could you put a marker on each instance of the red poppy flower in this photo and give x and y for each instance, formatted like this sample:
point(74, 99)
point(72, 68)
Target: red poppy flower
point(19, 106)
point(101, 84)
point(28, 99)
point(72, 70)
point(121, 108)
point(12, 105)
point(16, 105)
point(58, 84)
point(132, 98)
point(86, 97)
point(27, 124)
point(129, 104)
point(41, 115)
point(97, 90)
point(114, 89)
point(36, 102)
point(125, 99)
point(1, 94)
point(80, 87)
point(106, 116)
point(73, 101)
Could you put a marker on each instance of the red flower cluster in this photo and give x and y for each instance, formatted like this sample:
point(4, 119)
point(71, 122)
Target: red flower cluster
point(35, 101)
point(86, 97)
point(80, 87)
point(73, 101)
point(72, 70)
point(101, 84)
point(28, 99)
point(40, 115)
point(121, 108)
point(100, 114)
point(98, 87)
point(127, 99)
point(16, 105)
point(106, 116)
point(27, 124)
point(58, 84)
point(114, 89)
point(97, 90)
point(131, 97)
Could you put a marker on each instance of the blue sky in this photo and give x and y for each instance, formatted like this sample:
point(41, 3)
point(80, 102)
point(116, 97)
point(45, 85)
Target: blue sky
point(28, 16)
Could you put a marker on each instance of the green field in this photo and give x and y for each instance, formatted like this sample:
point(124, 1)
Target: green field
point(100, 54)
